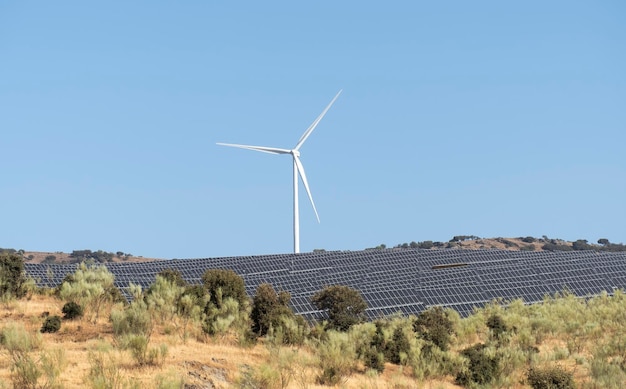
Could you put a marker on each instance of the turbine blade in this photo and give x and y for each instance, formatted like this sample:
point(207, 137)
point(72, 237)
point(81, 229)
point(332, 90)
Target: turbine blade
point(314, 124)
point(306, 184)
point(263, 149)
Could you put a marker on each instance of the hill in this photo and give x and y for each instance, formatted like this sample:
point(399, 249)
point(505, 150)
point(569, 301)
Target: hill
point(77, 256)
point(529, 243)
point(465, 242)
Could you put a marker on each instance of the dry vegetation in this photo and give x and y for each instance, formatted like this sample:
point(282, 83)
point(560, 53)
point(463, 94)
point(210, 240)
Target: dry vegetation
point(584, 338)
point(197, 362)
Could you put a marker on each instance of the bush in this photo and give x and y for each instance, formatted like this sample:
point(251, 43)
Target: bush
point(12, 276)
point(174, 276)
point(104, 371)
point(497, 326)
point(399, 347)
point(162, 298)
point(550, 378)
point(336, 359)
point(582, 244)
point(133, 320)
point(374, 359)
point(229, 283)
point(427, 244)
point(482, 368)
point(345, 306)
point(51, 324)
point(268, 309)
point(435, 326)
point(71, 310)
point(91, 287)
point(26, 371)
point(556, 247)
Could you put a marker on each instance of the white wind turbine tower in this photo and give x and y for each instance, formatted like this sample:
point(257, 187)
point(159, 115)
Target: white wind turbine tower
point(298, 169)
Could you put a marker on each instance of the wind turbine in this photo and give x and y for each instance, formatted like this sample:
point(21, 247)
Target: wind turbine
point(298, 170)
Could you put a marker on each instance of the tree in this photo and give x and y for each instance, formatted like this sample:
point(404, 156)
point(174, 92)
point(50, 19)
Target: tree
point(228, 282)
point(268, 309)
point(345, 306)
point(435, 326)
point(174, 276)
point(603, 241)
point(12, 276)
point(581, 244)
point(427, 244)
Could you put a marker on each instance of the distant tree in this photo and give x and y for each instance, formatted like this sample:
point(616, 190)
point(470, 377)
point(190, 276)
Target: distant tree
point(50, 259)
point(603, 241)
point(556, 247)
point(462, 238)
point(12, 277)
point(581, 244)
point(228, 282)
point(427, 244)
point(345, 306)
point(614, 247)
point(174, 276)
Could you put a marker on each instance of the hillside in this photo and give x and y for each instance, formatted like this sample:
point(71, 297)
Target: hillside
point(58, 257)
point(85, 353)
point(465, 242)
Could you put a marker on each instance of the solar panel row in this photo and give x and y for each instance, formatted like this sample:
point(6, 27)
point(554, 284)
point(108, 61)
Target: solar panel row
point(395, 280)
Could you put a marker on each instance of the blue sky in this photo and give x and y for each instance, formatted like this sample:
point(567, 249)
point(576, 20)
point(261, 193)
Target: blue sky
point(482, 118)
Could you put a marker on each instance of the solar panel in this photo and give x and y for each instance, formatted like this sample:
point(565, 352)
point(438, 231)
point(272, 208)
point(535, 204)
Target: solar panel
point(393, 281)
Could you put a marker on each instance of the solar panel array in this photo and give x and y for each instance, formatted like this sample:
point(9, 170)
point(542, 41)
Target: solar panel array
point(394, 280)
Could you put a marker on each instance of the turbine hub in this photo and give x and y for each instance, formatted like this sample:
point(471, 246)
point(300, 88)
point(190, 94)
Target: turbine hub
point(295, 153)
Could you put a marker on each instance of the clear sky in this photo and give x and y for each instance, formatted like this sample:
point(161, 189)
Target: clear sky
point(484, 118)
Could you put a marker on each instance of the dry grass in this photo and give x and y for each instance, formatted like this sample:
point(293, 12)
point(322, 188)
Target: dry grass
point(219, 361)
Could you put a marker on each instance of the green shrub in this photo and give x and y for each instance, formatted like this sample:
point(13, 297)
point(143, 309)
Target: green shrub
point(497, 326)
point(271, 309)
point(482, 368)
point(27, 372)
point(51, 324)
point(434, 325)
point(399, 347)
point(374, 359)
point(104, 371)
point(345, 306)
point(91, 287)
point(228, 283)
point(134, 320)
point(12, 276)
point(72, 310)
point(550, 378)
point(337, 358)
point(162, 298)
point(174, 276)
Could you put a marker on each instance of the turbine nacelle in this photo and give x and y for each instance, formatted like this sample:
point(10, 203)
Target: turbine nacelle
point(298, 171)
